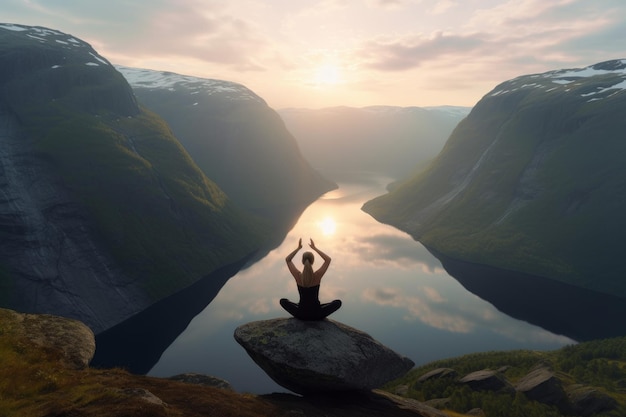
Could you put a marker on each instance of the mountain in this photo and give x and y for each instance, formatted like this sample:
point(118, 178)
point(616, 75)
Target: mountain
point(386, 140)
point(102, 211)
point(533, 180)
point(235, 138)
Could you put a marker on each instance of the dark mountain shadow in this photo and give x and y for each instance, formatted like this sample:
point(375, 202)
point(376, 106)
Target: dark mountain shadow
point(138, 343)
point(557, 307)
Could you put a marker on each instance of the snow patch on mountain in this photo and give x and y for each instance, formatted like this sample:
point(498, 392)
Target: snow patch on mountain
point(613, 71)
point(163, 80)
point(56, 38)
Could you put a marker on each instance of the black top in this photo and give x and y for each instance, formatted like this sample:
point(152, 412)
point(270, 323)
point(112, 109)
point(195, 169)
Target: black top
point(309, 299)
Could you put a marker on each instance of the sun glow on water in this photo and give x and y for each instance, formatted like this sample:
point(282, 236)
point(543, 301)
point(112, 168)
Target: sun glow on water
point(328, 226)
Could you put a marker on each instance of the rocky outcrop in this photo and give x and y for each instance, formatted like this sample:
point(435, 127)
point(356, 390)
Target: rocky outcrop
point(73, 340)
point(588, 401)
point(204, 380)
point(320, 356)
point(540, 384)
point(438, 373)
point(487, 380)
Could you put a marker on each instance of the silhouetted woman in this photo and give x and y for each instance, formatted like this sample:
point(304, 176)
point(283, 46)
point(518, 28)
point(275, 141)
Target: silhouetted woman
point(309, 307)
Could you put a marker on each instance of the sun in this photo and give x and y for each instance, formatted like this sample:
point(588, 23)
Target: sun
point(327, 75)
point(328, 226)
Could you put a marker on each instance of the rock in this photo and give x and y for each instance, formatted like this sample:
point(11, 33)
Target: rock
point(144, 395)
point(320, 356)
point(542, 385)
point(588, 400)
point(204, 380)
point(73, 339)
point(487, 380)
point(438, 374)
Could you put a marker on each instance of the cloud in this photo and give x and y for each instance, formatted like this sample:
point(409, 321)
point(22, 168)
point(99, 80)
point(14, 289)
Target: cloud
point(412, 51)
point(425, 310)
point(386, 248)
point(444, 6)
point(403, 52)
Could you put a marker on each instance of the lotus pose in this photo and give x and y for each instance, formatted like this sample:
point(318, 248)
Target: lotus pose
point(309, 307)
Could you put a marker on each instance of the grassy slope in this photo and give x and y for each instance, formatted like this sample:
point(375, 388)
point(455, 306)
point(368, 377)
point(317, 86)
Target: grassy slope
point(600, 364)
point(40, 386)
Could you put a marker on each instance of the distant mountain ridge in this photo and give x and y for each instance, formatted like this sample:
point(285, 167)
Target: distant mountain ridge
point(389, 141)
point(533, 180)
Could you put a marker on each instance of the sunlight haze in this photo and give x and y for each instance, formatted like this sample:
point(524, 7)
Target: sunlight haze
point(334, 52)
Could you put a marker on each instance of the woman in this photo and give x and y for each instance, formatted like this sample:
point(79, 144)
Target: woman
point(309, 307)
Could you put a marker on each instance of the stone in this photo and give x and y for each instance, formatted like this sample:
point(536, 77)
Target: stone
point(325, 356)
point(487, 380)
point(588, 401)
point(204, 380)
point(542, 385)
point(438, 374)
point(72, 338)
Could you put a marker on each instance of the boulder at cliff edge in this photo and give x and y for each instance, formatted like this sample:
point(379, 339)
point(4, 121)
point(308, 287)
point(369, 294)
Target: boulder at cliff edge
point(325, 356)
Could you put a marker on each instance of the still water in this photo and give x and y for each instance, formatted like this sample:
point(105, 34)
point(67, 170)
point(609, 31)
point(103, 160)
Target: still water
point(390, 285)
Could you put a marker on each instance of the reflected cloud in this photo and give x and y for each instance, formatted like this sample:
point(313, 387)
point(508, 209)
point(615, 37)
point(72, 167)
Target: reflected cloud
point(420, 309)
point(389, 248)
point(433, 295)
point(261, 306)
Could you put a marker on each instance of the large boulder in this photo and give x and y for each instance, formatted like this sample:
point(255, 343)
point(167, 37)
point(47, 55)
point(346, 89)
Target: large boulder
point(72, 339)
point(541, 384)
point(320, 356)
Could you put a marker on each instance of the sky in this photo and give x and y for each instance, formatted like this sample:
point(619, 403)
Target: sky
point(321, 53)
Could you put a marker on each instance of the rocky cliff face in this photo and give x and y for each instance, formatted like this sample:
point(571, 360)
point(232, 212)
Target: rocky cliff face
point(102, 212)
point(51, 261)
point(533, 180)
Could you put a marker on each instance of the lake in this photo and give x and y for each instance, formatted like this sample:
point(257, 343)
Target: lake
point(391, 287)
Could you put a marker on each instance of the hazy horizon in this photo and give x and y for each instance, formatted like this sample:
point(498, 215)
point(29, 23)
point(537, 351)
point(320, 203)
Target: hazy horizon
point(328, 53)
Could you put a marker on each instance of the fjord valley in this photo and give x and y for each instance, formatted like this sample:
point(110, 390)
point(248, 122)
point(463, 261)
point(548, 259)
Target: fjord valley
point(105, 212)
point(130, 197)
point(390, 141)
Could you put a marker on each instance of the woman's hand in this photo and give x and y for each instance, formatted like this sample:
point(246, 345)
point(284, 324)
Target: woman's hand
point(312, 245)
point(300, 244)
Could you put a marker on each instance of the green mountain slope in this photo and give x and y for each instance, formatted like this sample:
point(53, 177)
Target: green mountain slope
point(125, 215)
point(533, 180)
point(235, 138)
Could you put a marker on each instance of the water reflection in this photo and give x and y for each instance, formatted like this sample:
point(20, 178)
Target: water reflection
point(390, 285)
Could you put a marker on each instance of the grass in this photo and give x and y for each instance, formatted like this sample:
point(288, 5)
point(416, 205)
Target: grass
point(34, 383)
point(600, 364)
